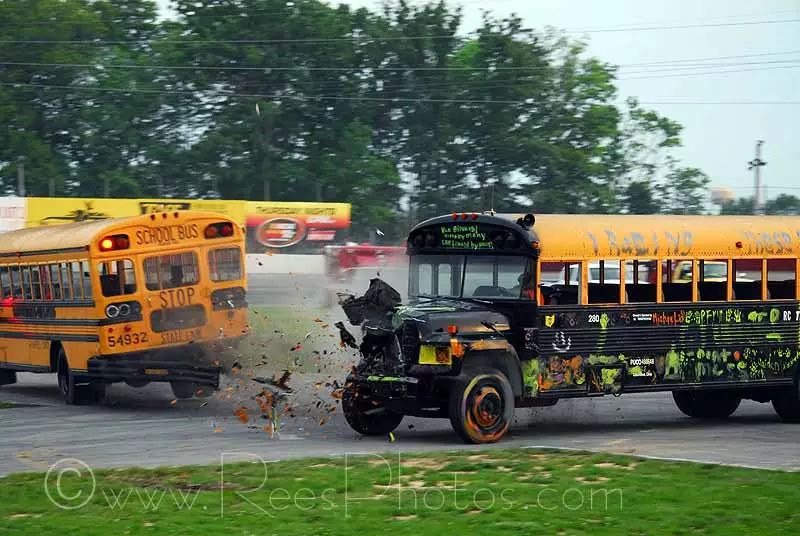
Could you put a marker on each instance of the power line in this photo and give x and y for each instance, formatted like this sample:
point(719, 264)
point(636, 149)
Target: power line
point(377, 99)
point(658, 66)
point(320, 40)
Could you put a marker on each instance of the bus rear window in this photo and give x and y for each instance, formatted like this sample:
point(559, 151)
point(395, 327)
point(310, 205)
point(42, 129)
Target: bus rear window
point(225, 264)
point(117, 278)
point(170, 271)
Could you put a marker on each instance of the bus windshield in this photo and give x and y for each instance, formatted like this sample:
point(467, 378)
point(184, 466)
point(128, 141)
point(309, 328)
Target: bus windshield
point(468, 276)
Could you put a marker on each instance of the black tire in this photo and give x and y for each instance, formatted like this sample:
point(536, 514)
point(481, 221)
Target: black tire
point(66, 380)
point(183, 389)
point(366, 418)
point(481, 406)
point(707, 404)
point(787, 403)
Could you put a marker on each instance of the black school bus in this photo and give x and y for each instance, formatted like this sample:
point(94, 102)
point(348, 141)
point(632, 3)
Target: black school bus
point(153, 298)
point(514, 311)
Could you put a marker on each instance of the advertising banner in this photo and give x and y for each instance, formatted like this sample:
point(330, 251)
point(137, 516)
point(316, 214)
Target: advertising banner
point(290, 227)
point(12, 213)
point(294, 225)
point(55, 210)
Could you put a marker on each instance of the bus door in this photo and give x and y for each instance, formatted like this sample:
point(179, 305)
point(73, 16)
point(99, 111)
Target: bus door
point(174, 308)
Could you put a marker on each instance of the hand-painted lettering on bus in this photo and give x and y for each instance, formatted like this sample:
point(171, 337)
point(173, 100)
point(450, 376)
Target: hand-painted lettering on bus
point(634, 243)
point(176, 297)
point(774, 243)
point(167, 235)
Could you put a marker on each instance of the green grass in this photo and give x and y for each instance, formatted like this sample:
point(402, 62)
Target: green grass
point(498, 491)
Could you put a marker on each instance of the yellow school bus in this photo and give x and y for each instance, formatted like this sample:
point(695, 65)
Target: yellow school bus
point(156, 297)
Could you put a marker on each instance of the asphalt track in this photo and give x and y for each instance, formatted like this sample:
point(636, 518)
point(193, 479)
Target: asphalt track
point(147, 427)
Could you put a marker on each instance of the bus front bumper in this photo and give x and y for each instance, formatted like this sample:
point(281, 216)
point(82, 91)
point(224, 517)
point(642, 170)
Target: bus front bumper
point(153, 367)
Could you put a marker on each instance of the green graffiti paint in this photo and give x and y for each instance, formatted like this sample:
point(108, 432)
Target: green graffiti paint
point(600, 359)
point(774, 337)
point(756, 316)
point(774, 315)
point(603, 321)
point(530, 376)
point(673, 366)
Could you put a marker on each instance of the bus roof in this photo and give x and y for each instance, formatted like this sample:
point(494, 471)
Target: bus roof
point(79, 235)
point(575, 236)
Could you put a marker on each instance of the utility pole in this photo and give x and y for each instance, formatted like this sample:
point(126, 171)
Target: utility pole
point(51, 187)
point(106, 187)
point(21, 178)
point(756, 164)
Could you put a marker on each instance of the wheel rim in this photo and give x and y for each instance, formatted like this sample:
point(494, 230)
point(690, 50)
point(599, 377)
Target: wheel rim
point(484, 410)
point(486, 407)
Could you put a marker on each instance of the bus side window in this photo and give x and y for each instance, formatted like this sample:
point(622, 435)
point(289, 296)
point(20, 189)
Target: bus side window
point(86, 278)
point(712, 284)
point(677, 280)
point(560, 283)
point(781, 279)
point(36, 283)
point(27, 293)
point(5, 282)
point(604, 281)
point(640, 281)
point(55, 279)
point(66, 281)
point(747, 285)
point(16, 282)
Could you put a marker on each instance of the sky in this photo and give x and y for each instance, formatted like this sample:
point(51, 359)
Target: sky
point(717, 138)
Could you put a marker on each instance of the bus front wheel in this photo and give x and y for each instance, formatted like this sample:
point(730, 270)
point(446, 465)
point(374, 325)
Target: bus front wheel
point(706, 404)
point(481, 407)
point(366, 418)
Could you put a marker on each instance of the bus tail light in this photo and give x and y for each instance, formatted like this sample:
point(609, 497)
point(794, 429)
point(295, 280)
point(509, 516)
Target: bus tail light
point(114, 242)
point(219, 230)
point(129, 310)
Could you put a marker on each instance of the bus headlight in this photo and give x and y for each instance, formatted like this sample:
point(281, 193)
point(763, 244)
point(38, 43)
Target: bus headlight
point(124, 309)
point(112, 311)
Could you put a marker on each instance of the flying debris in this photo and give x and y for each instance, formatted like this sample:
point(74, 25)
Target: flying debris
point(345, 337)
point(280, 383)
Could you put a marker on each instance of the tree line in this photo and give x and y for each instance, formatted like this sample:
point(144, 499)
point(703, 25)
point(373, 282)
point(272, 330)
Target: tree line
point(394, 110)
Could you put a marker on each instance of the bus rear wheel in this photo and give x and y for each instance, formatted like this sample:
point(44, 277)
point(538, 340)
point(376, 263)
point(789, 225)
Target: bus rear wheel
point(707, 404)
point(66, 380)
point(366, 418)
point(481, 407)
point(71, 391)
point(787, 404)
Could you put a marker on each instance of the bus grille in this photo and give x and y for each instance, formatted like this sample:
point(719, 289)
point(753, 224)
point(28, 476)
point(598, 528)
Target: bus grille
point(409, 341)
point(180, 318)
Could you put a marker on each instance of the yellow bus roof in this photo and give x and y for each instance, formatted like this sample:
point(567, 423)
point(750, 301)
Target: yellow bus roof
point(575, 236)
point(80, 235)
